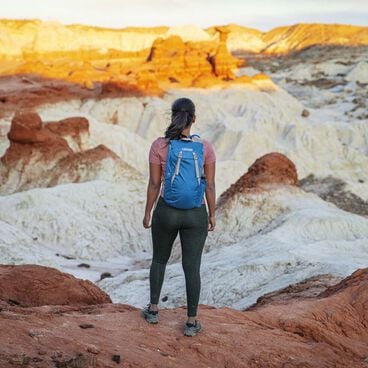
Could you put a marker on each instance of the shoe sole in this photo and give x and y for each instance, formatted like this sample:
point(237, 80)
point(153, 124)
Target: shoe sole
point(147, 320)
point(191, 333)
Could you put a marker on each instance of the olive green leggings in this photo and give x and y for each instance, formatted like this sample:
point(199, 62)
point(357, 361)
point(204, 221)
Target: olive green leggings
point(192, 226)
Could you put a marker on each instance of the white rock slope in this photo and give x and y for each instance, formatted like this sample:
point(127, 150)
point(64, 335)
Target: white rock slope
point(264, 241)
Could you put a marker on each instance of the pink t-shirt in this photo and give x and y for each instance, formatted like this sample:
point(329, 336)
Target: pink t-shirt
point(159, 148)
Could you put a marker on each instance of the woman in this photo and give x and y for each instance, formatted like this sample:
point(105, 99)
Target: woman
point(167, 221)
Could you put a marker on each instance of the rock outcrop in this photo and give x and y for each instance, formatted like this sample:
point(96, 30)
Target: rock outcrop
point(308, 288)
point(40, 156)
point(288, 39)
point(36, 83)
point(74, 130)
point(183, 62)
point(33, 286)
point(27, 134)
point(171, 57)
point(322, 331)
point(335, 190)
point(170, 62)
point(269, 170)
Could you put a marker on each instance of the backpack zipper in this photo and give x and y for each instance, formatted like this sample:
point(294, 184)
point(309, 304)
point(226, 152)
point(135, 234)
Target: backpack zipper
point(177, 167)
point(196, 168)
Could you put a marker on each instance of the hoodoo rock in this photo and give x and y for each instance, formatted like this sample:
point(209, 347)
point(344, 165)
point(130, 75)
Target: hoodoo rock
point(327, 330)
point(27, 132)
point(271, 169)
point(222, 61)
point(185, 62)
point(39, 155)
point(32, 286)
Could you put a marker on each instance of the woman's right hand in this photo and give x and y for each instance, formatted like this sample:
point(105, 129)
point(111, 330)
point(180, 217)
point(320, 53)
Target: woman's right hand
point(146, 221)
point(211, 223)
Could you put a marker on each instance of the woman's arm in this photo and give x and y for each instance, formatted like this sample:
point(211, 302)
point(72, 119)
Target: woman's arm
point(153, 189)
point(209, 171)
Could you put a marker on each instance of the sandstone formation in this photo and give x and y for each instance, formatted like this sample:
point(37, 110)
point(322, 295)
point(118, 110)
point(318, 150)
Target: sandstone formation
point(182, 62)
point(33, 286)
point(174, 58)
point(36, 84)
point(308, 288)
point(40, 156)
point(114, 62)
point(74, 130)
point(288, 39)
point(28, 138)
point(169, 63)
point(222, 61)
point(283, 40)
point(30, 38)
point(321, 331)
point(271, 169)
point(50, 62)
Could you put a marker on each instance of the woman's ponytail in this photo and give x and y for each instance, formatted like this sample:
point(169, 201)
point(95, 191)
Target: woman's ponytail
point(182, 114)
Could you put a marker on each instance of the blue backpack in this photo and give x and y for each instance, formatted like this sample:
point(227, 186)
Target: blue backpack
point(184, 183)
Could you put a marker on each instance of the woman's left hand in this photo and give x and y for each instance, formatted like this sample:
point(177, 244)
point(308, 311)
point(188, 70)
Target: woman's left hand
point(146, 221)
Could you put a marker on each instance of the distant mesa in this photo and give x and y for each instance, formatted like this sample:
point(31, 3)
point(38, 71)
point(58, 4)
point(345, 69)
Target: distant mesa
point(32, 286)
point(272, 169)
point(27, 38)
point(46, 154)
point(188, 33)
point(288, 39)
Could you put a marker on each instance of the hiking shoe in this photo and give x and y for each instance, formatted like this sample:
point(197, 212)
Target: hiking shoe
point(191, 329)
point(149, 316)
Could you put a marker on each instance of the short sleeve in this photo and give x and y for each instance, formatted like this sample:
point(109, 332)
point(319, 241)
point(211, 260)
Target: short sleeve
point(154, 157)
point(209, 153)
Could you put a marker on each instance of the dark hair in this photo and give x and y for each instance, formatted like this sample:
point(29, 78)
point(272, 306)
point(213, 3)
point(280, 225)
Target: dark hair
point(182, 114)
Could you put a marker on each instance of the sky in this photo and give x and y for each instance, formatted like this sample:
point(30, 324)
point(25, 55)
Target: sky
point(261, 14)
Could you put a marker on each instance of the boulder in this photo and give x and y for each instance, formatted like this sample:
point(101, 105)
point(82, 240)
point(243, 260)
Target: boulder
point(269, 170)
point(32, 286)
